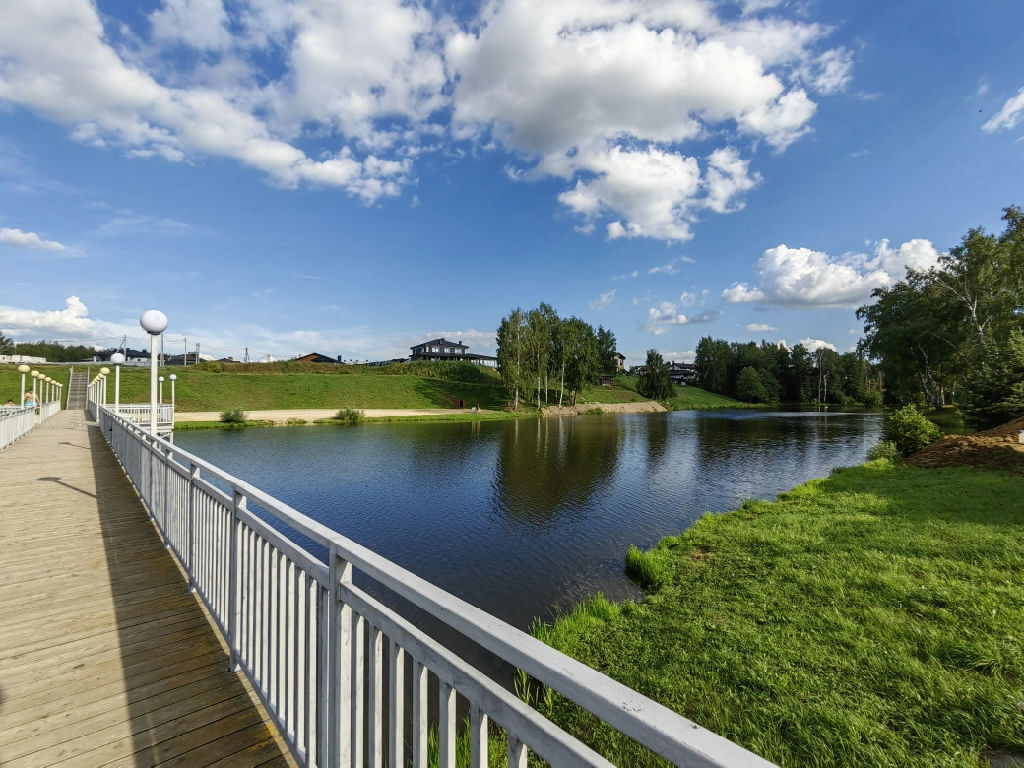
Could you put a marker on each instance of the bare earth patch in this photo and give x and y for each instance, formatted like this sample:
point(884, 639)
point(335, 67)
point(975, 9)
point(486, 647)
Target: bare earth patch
point(996, 448)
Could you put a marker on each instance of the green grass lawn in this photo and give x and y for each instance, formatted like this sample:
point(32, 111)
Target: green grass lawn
point(691, 398)
point(199, 390)
point(871, 618)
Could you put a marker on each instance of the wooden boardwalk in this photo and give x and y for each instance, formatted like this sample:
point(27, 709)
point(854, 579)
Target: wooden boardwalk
point(106, 658)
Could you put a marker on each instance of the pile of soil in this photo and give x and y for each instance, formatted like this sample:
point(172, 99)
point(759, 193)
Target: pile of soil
point(996, 448)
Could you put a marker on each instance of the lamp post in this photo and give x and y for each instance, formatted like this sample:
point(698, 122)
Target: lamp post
point(23, 369)
point(49, 389)
point(173, 377)
point(35, 391)
point(116, 359)
point(161, 380)
point(103, 372)
point(153, 322)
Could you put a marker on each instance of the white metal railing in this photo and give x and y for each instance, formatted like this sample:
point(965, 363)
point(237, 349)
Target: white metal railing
point(138, 413)
point(15, 422)
point(46, 410)
point(329, 661)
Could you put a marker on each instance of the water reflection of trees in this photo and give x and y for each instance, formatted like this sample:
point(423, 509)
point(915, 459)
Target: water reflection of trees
point(552, 467)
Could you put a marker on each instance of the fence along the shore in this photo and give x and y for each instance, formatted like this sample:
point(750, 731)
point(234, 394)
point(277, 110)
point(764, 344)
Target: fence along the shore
point(305, 636)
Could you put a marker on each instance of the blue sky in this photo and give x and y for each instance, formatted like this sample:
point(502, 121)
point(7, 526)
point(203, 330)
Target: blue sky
point(352, 177)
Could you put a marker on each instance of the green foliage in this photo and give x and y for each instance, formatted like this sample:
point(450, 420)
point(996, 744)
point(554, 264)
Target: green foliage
point(6, 345)
point(646, 568)
point(885, 449)
point(936, 326)
point(910, 430)
point(794, 376)
point(606, 348)
point(349, 415)
point(869, 618)
point(749, 387)
point(53, 351)
point(654, 383)
point(234, 416)
point(993, 390)
point(538, 351)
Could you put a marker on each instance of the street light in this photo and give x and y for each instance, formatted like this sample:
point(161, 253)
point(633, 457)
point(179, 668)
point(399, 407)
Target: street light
point(103, 372)
point(116, 359)
point(173, 377)
point(49, 389)
point(35, 392)
point(153, 322)
point(161, 380)
point(23, 369)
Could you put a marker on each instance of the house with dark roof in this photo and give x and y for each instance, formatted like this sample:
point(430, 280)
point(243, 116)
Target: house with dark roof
point(316, 357)
point(442, 349)
point(681, 373)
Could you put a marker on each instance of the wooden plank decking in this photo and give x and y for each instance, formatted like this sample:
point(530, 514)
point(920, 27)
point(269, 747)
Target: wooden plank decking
point(106, 658)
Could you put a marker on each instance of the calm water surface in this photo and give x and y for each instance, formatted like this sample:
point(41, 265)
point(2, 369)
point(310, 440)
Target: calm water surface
point(527, 517)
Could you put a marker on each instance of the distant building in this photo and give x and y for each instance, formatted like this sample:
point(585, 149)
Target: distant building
point(442, 349)
point(316, 357)
point(620, 362)
point(21, 359)
point(681, 373)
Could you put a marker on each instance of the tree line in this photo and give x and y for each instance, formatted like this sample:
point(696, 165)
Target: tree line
point(955, 332)
point(772, 373)
point(540, 353)
point(53, 351)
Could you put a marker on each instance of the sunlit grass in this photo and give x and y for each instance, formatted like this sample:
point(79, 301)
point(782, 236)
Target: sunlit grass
point(870, 618)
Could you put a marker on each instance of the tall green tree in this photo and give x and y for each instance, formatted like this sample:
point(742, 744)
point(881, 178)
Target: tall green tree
point(711, 364)
point(654, 382)
point(513, 353)
point(606, 348)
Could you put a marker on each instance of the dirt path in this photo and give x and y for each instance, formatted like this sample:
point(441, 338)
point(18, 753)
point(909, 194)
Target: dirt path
point(995, 448)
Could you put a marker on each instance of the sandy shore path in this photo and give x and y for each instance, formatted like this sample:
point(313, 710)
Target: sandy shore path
point(311, 414)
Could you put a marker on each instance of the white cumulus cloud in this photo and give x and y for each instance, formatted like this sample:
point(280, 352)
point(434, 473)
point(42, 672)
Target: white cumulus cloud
point(71, 322)
point(761, 327)
point(21, 239)
point(597, 93)
point(805, 277)
point(813, 345)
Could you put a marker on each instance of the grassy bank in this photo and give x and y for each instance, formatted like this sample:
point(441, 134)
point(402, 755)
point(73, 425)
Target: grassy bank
point(871, 618)
point(282, 386)
point(688, 398)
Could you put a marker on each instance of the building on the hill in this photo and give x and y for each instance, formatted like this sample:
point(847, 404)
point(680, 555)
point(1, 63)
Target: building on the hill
point(442, 349)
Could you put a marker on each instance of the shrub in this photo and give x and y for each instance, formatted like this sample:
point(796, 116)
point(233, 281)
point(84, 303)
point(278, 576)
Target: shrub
point(873, 399)
point(350, 415)
point(234, 416)
point(885, 449)
point(910, 430)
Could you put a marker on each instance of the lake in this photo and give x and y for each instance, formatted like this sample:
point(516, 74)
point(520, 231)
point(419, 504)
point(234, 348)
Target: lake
point(527, 517)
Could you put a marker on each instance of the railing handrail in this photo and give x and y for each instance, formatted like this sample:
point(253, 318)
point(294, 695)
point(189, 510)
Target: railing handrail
point(648, 722)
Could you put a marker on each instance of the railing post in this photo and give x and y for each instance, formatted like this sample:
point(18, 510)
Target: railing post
point(190, 565)
point(165, 458)
point(339, 665)
point(238, 504)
